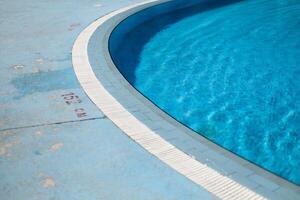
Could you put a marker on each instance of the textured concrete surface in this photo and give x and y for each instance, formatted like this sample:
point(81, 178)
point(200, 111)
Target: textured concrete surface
point(54, 143)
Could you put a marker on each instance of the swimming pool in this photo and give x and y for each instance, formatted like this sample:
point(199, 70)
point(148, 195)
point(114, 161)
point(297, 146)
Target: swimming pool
point(229, 70)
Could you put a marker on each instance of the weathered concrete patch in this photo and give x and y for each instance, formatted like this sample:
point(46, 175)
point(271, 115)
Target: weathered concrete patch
point(7, 141)
point(56, 146)
point(48, 182)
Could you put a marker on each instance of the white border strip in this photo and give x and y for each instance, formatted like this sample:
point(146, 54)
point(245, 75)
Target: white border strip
point(217, 184)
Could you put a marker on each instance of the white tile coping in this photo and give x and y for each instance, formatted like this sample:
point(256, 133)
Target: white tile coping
point(243, 180)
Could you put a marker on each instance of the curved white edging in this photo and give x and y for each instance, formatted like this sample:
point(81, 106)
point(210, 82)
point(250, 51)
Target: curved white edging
point(217, 184)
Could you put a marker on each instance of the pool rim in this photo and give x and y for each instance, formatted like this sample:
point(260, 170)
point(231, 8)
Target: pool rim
point(123, 15)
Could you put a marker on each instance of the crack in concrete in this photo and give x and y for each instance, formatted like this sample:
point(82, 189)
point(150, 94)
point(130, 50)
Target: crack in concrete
point(50, 124)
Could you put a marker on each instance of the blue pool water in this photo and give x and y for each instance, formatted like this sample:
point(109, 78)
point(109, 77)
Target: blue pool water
point(229, 71)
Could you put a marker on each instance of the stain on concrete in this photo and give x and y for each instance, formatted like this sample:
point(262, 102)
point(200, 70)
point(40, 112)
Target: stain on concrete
point(2, 151)
point(56, 147)
point(38, 133)
point(44, 81)
point(49, 182)
point(39, 61)
point(38, 153)
point(35, 70)
point(5, 147)
point(98, 5)
point(73, 26)
point(5, 133)
point(18, 66)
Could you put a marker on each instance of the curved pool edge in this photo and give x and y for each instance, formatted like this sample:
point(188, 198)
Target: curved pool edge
point(160, 141)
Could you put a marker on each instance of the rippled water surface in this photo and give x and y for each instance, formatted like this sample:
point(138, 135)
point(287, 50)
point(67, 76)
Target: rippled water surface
point(230, 72)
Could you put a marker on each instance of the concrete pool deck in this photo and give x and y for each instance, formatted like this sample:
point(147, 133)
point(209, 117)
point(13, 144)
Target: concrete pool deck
point(55, 143)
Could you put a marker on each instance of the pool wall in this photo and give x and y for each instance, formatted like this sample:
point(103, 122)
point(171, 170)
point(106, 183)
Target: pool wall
point(140, 17)
point(122, 44)
point(125, 48)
